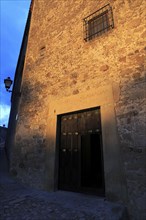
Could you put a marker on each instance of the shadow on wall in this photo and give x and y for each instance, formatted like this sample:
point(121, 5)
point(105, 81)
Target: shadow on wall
point(31, 152)
point(130, 111)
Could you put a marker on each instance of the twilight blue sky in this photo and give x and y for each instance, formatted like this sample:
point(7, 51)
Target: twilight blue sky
point(13, 15)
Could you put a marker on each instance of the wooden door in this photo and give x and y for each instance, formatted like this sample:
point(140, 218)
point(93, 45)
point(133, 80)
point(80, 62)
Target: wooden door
point(80, 151)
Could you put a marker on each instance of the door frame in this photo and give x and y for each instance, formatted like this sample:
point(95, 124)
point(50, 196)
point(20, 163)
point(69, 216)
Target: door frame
point(115, 182)
point(97, 191)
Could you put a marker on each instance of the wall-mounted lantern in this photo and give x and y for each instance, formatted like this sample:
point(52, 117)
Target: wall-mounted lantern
point(8, 82)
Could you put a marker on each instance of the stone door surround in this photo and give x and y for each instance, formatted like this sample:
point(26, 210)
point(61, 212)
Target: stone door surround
point(115, 187)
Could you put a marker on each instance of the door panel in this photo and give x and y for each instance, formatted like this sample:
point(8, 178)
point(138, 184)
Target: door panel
point(75, 161)
point(96, 161)
point(65, 161)
point(85, 160)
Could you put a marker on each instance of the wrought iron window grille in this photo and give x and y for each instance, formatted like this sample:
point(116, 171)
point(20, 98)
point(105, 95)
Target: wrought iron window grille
point(98, 22)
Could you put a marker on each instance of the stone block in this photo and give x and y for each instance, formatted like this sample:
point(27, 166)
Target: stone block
point(104, 68)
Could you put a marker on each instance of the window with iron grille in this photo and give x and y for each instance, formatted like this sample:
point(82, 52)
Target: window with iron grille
point(98, 22)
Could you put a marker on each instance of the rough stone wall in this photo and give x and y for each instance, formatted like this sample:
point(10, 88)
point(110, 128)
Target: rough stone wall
point(59, 63)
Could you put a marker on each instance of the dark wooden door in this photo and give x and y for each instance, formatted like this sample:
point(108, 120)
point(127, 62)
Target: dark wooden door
point(80, 151)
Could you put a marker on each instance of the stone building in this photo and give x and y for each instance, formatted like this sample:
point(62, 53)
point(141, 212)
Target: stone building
point(3, 155)
point(3, 133)
point(80, 119)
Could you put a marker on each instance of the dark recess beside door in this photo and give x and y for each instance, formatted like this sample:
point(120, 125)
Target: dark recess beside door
point(80, 152)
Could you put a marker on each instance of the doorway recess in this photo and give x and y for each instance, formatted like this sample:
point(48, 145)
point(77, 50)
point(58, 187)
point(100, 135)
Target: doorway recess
point(80, 151)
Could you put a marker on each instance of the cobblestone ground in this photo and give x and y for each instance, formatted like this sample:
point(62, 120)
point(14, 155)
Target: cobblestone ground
point(18, 202)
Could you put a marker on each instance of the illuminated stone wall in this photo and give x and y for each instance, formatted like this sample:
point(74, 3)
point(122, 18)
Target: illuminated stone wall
point(60, 64)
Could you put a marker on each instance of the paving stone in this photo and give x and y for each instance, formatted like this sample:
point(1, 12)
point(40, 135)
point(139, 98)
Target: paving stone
point(28, 204)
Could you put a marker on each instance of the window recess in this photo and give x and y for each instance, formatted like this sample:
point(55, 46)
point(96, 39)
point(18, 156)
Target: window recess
point(98, 22)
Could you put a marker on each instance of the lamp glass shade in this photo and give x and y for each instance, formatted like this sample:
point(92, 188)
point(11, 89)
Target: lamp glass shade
point(8, 82)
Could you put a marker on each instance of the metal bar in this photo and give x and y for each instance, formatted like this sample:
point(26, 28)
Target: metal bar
point(97, 11)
